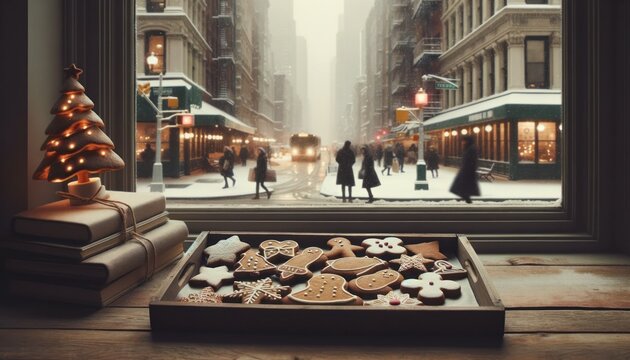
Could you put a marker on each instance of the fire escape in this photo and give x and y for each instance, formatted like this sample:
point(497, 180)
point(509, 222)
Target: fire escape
point(224, 59)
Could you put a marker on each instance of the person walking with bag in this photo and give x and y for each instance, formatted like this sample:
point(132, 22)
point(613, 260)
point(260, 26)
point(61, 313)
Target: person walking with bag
point(261, 172)
point(400, 156)
point(388, 160)
point(367, 173)
point(227, 166)
point(465, 184)
point(244, 155)
point(345, 176)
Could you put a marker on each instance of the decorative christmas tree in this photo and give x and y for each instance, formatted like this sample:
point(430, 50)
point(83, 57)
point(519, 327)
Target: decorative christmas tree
point(76, 144)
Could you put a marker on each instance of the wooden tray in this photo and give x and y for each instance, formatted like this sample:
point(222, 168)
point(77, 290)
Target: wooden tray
point(483, 313)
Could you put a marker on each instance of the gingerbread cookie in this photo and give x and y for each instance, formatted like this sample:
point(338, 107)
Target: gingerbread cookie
point(382, 282)
point(297, 268)
point(447, 271)
point(278, 251)
point(388, 248)
point(214, 277)
point(341, 247)
point(351, 267)
point(256, 292)
point(431, 289)
point(225, 252)
point(324, 289)
point(253, 266)
point(430, 250)
point(393, 299)
point(206, 296)
point(411, 266)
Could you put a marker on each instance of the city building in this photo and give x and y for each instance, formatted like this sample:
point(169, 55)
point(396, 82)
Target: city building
point(506, 57)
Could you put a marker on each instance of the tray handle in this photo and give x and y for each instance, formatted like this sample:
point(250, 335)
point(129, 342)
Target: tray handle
point(472, 272)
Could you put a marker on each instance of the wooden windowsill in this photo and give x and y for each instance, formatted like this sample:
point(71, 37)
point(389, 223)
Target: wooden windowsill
point(572, 306)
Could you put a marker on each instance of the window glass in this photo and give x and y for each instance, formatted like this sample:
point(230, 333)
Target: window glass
point(155, 50)
point(527, 142)
point(156, 5)
point(536, 64)
point(546, 142)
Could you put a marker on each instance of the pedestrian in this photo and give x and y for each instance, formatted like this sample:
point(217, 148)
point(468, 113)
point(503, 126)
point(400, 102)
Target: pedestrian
point(227, 166)
point(433, 160)
point(261, 172)
point(400, 155)
point(370, 179)
point(345, 176)
point(379, 154)
point(465, 184)
point(148, 158)
point(388, 160)
point(244, 155)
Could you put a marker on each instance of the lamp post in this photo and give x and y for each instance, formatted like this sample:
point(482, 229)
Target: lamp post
point(157, 181)
point(421, 100)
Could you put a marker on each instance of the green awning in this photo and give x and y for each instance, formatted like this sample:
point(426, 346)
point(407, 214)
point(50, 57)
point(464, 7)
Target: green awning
point(545, 104)
point(208, 115)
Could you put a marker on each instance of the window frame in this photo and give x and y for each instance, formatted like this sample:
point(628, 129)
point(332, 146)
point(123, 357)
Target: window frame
point(151, 6)
point(147, 39)
point(547, 64)
point(575, 226)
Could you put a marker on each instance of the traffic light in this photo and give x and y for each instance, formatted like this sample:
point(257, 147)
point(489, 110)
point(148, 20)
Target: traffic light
point(170, 102)
point(185, 120)
point(402, 115)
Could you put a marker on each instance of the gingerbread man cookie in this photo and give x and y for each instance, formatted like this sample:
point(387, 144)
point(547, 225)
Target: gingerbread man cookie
point(431, 289)
point(214, 277)
point(351, 267)
point(386, 249)
point(393, 299)
point(206, 296)
point(278, 251)
point(341, 247)
point(411, 266)
point(382, 282)
point(430, 250)
point(253, 266)
point(297, 268)
point(324, 289)
point(447, 271)
point(225, 252)
point(256, 292)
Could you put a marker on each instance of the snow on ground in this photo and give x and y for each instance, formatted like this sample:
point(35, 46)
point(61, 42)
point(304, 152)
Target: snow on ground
point(400, 186)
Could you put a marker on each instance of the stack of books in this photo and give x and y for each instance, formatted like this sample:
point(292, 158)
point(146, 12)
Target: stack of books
point(83, 254)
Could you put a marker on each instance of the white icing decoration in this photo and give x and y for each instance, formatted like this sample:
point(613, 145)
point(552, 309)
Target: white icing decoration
point(337, 264)
point(346, 297)
point(294, 265)
point(386, 274)
point(389, 245)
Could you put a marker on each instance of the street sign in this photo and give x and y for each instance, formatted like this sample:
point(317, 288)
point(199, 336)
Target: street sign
point(445, 85)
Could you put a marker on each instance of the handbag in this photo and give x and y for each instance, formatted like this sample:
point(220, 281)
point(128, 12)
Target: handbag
point(252, 175)
point(361, 174)
point(270, 176)
point(395, 165)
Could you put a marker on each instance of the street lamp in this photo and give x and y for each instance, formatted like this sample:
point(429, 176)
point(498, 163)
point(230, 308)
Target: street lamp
point(421, 100)
point(157, 181)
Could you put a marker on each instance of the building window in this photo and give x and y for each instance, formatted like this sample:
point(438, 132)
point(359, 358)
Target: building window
point(537, 142)
point(536, 2)
point(155, 44)
point(156, 5)
point(537, 63)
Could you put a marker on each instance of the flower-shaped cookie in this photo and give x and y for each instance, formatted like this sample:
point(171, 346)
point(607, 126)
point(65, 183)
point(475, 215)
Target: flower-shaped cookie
point(387, 248)
point(431, 289)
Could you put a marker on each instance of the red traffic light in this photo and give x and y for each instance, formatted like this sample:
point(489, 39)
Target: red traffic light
point(185, 120)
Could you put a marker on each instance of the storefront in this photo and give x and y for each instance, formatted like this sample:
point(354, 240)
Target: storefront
point(187, 150)
point(518, 133)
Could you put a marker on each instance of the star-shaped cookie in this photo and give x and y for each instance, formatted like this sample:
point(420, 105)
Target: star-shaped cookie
point(430, 250)
point(256, 292)
point(213, 277)
point(225, 252)
point(411, 265)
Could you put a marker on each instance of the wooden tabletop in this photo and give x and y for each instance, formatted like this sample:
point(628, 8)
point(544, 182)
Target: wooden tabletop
point(558, 306)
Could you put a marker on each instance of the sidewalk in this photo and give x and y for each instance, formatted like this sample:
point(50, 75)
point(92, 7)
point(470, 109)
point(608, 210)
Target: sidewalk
point(400, 186)
point(203, 185)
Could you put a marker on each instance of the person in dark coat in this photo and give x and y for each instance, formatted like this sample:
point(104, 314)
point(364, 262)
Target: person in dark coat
point(244, 155)
point(465, 184)
point(379, 154)
point(227, 166)
point(388, 160)
point(370, 179)
point(400, 155)
point(345, 176)
point(261, 172)
point(433, 160)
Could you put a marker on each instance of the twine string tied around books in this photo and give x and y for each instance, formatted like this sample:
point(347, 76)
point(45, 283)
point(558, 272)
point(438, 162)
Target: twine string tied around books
point(122, 208)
